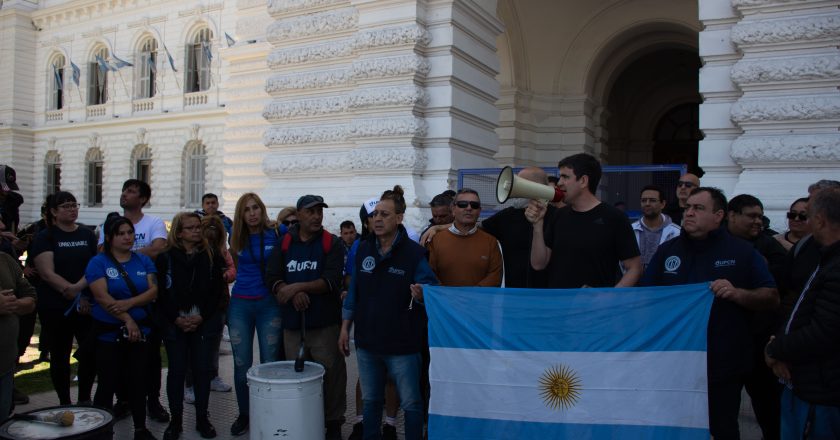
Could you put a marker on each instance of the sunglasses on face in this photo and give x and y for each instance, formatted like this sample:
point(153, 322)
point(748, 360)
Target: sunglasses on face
point(290, 222)
point(463, 204)
point(801, 216)
point(684, 184)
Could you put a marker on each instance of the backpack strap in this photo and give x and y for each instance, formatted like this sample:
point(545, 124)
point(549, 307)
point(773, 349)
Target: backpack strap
point(285, 243)
point(326, 242)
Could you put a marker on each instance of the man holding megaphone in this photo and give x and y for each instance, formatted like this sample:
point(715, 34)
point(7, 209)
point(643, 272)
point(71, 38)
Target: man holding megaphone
point(584, 242)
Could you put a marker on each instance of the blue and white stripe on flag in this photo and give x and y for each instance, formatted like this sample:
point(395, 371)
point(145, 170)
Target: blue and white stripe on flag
point(575, 363)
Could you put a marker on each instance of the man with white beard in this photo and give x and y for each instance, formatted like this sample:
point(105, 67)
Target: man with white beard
point(513, 231)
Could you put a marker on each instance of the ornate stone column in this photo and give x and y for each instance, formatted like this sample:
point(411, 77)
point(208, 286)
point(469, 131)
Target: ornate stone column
point(367, 94)
point(719, 94)
point(790, 108)
point(772, 106)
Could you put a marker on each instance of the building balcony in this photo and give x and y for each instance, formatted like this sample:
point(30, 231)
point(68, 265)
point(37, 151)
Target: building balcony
point(55, 115)
point(96, 111)
point(143, 105)
point(195, 99)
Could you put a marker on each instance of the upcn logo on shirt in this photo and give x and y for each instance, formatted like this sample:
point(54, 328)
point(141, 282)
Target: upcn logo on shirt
point(724, 263)
point(294, 266)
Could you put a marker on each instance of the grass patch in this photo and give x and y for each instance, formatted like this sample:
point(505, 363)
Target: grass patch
point(33, 376)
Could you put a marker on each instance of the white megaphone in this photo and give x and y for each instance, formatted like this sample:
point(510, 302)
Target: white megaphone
point(510, 185)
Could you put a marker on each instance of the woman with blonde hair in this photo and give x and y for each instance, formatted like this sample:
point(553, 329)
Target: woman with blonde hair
point(252, 307)
point(287, 216)
point(191, 287)
point(214, 232)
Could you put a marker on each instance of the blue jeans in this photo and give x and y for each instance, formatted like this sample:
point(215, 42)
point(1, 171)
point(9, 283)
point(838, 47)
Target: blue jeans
point(244, 317)
point(405, 371)
point(825, 423)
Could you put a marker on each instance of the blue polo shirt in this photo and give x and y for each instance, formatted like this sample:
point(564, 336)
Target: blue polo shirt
point(683, 260)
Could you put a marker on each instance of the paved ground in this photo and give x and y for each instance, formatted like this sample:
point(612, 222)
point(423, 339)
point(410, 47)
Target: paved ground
point(223, 409)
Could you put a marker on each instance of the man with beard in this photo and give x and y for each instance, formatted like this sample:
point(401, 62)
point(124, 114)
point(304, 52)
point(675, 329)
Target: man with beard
point(305, 275)
point(513, 231)
point(464, 255)
point(654, 228)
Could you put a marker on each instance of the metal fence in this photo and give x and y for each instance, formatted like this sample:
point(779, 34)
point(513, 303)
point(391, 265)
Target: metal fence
point(621, 183)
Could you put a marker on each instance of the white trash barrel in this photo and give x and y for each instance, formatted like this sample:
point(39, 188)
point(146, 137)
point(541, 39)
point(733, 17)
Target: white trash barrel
point(286, 404)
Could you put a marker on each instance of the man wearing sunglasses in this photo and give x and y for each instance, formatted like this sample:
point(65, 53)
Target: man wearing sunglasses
point(744, 220)
point(464, 255)
point(685, 185)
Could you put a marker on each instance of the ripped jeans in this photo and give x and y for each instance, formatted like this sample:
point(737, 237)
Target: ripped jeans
point(245, 316)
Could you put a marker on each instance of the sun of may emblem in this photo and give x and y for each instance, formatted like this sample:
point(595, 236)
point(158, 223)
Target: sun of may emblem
point(560, 387)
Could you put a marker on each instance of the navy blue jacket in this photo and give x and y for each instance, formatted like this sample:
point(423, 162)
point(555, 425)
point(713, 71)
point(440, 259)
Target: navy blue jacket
point(379, 300)
point(683, 260)
point(305, 261)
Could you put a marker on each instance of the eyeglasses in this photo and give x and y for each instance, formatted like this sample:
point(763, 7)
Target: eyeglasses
point(801, 216)
point(378, 213)
point(463, 204)
point(684, 184)
point(290, 222)
point(69, 206)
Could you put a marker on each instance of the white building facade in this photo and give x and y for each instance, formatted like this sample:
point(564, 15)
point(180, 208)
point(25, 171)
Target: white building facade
point(346, 98)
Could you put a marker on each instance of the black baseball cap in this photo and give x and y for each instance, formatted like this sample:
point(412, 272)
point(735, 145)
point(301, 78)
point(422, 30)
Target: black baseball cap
point(310, 201)
point(8, 178)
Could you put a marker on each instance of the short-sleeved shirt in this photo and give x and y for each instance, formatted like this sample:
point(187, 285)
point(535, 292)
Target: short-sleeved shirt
point(721, 256)
point(515, 233)
point(71, 253)
point(147, 230)
point(137, 268)
point(586, 247)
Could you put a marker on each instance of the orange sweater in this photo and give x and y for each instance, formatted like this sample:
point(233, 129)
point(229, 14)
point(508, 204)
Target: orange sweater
point(471, 260)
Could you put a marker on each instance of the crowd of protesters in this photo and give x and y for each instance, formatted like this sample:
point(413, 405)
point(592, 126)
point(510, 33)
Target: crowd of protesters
point(774, 328)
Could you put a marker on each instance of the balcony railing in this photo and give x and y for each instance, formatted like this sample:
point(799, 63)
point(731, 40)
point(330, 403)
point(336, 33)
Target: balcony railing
point(96, 111)
point(143, 105)
point(195, 99)
point(55, 115)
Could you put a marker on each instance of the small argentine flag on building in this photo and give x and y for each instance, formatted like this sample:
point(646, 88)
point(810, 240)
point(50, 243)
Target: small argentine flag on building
point(577, 363)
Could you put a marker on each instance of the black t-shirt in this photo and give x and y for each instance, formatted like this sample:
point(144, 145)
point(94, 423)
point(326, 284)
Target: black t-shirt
point(514, 233)
point(586, 247)
point(71, 253)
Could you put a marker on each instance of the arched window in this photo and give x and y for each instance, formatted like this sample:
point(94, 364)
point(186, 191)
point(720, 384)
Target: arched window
point(55, 79)
point(94, 162)
point(195, 164)
point(147, 69)
point(98, 77)
point(199, 58)
point(141, 163)
point(52, 172)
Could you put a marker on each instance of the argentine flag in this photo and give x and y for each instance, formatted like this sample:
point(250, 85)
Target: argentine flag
point(624, 363)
